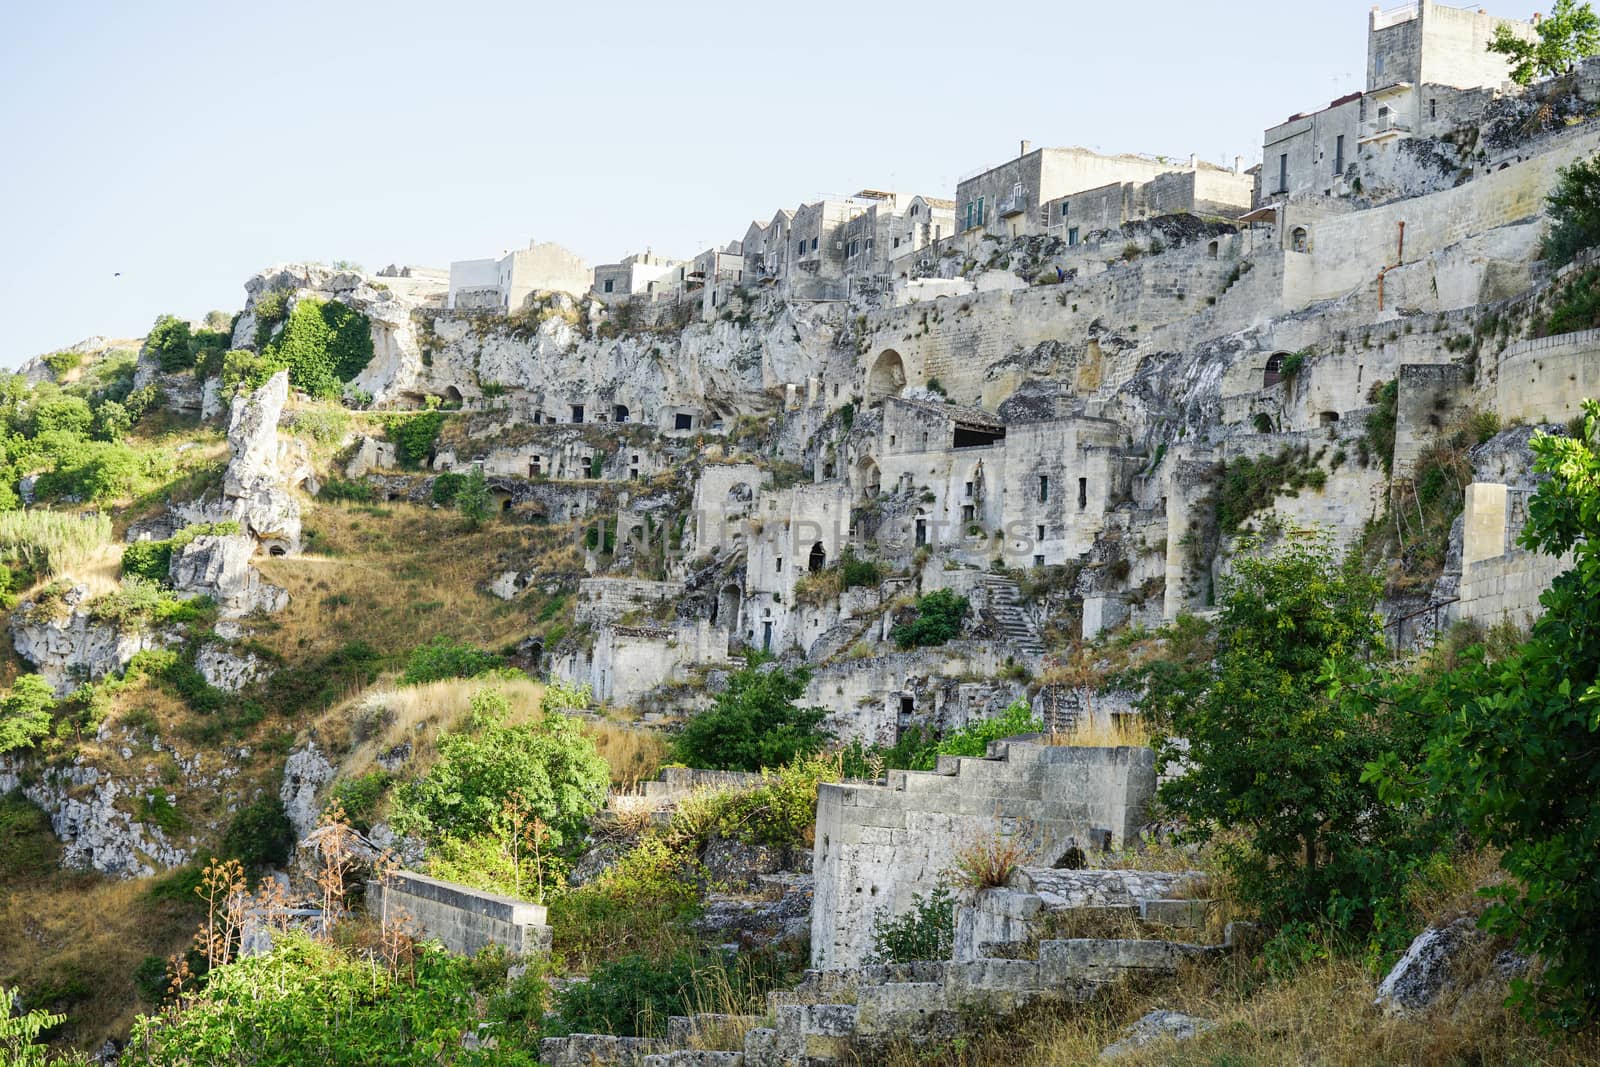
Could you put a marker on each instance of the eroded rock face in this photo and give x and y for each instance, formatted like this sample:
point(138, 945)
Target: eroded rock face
point(218, 566)
point(227, 670)
point(305, 772)
point(254, 490)
point(67, 646)
point(81, 801)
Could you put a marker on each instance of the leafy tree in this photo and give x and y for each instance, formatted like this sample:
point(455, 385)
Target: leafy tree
point(444, 657)
point(755, 722)
point(551, 766)
point(19, 1034)
point(472, 499)
point(635, 995)
point(1569, 33)
point(111, 421)
point(67, 414)
point(938, 619)
point(413, 435)
point(1270, 753)
point(25, 713)
point(1574, 210)
point(260, 835)
point(324, 344)
point(168, 340)
point(1517, 750)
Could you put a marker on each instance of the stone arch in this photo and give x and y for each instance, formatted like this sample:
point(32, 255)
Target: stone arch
point(1274, 371)
point(888, 375)
point(1299, 239)
point(1211, 250)
point(451, 395)
point(869, 481)
point(619, 413)
point(818, 558)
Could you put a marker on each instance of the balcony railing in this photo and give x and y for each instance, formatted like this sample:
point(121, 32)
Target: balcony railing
point(1015, 204)
point(1385, 127)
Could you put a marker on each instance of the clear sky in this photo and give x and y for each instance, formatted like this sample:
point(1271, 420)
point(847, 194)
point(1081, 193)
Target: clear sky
point(188, 145)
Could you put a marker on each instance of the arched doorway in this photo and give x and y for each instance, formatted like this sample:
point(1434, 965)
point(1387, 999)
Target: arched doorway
point(1274, 372)
point(1299, 239)
point(888, 375)
point(818, 558)
point(452, 395)
point(868, 479)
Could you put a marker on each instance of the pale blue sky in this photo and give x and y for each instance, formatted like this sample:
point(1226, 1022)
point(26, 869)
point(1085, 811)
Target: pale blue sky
point(189, 145)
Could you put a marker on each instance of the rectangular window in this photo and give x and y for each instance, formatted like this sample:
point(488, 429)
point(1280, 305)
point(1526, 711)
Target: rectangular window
point(611, 284)
point(1072, 235)
point(1338, 155)
point(682, 421)
point(1063, 210)
point(1083, 492)
point(1040, 536)
point(778, 564)
point(969, 491)
point(1038, 561)
point(813, 244)
point(1283, 173)
point(968, 513)
point(1433, 109)
point(1044, 488)
point(577, 413)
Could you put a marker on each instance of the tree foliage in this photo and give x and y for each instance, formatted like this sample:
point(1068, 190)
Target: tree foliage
point(755, 722)
point(1569, 33)
point(25, 713)
point(472, 498)
point(1517, 748)
point(323, 344)
point(1574, 210)
point(551, 765)
point(1272, 752)
point(445, 657)
point(937, 619)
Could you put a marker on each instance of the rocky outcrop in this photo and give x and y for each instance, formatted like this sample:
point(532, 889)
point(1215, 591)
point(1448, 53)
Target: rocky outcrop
point(218, 566)
point(81, 801)
point(254, 489)
point(305, 772)
point(227, 670)
point(1437, 962)
point(1156, 1026)
point(68, 646)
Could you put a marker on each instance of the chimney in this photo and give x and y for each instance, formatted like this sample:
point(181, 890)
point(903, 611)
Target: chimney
point(1194, 161)
point(1027, 146)
point(1238, 164)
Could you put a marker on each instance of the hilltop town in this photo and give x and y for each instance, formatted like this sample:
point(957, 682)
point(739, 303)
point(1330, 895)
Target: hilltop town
point(974, 468)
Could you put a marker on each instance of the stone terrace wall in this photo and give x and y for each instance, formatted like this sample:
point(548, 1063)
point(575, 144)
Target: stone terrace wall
point(463, 919)
point(876, 846)
point(1545, 380)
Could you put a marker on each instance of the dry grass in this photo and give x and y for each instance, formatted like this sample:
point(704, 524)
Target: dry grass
point(635, 755)
point(396, 576)
point(82, 936)
point(1322, 1016)
point(1105, 733)
point(988, 862)
point(387, 715)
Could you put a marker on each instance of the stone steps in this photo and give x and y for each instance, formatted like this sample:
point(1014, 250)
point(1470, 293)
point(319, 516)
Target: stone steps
point(1011, 623)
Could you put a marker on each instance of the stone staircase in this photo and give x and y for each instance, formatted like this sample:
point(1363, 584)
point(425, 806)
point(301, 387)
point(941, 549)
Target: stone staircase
point(844, 1015)
point(1012, 625)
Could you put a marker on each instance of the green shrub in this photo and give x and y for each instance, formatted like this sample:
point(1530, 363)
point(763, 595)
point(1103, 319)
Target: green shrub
point(25, 713)
point(353, 492)
point(152, 560)
point(63, 414)
point(472, 499)
point(1246, 485)
point(168, 341)
point(414, 435)
point(926, 931)
point(937, 619)
point(635, 996)
point(859, 571)
point(323, 344)
point(446, 486)
point(361, 796)
point(28, 847)
point(551, 765)
point(62, 362)
point(152, 979)
point(444, 657)
point(260, 834)
point(20, 1032)
point(1382, 420)
point(755, 722)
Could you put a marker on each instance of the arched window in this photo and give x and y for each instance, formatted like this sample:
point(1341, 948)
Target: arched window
point(1274, 371)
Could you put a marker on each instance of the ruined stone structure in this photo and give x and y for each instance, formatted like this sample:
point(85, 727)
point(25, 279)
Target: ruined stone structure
point(462, 919)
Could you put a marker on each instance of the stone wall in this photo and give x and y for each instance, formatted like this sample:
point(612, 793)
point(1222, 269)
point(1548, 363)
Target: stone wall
point(602, 600)
point(464, 920)
point(1500, 581)
point(876, 846)
point(1545, 380)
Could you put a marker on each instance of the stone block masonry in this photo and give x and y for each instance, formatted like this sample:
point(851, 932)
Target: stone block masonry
point(464, 920)
point(878, 846)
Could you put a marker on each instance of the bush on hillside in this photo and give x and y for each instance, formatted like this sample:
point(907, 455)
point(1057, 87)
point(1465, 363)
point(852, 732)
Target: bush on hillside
point(936, 619)
point(755, 722)
point(445, 657)
point(260, 835)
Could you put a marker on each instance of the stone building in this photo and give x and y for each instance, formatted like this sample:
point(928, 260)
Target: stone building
point(637, 275)
point(1428, 70)
point(894, 227)
point(1007, 200)
point(504, 284)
